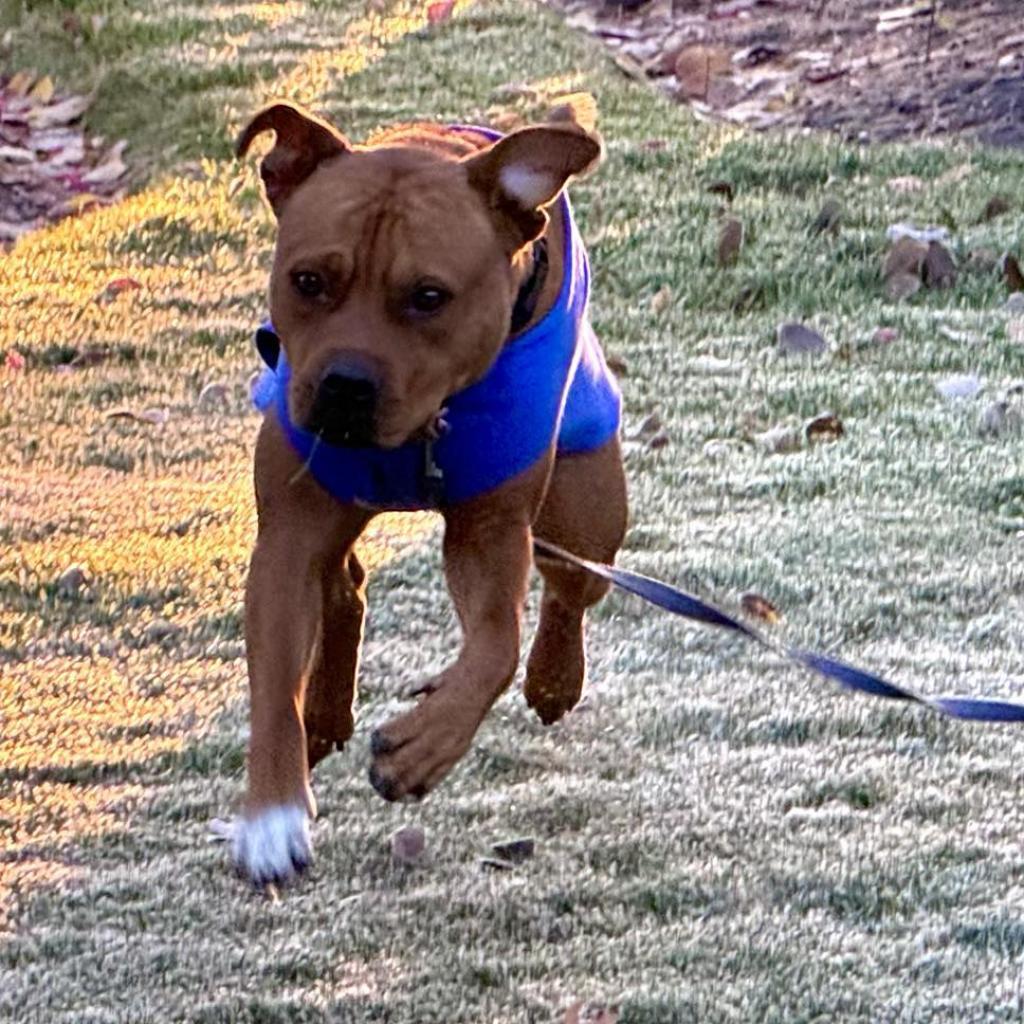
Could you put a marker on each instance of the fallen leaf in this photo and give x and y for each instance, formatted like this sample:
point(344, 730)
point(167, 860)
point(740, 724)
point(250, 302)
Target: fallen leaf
point(109, 169)
point(730, 241)
point(885, 335)
point(902, 286)
point(660, 440)
point(829, 217)
point(780, 440)
point(629, 67)
point(591, 1013)
point(1012, 273)
point(516, 851)
point(42, 91)
point(965, 385)
point(71, 581)
point(20, 82)
point(116, 287)
point(92, 355)
point(722, 188)
point(617, 365)
point(61, 113)
point(824, 428)
point(995, 207)
point(660, 299)
point(438, 12)
point(761, 608)
point(939, 269)
point(408, 845)
point(648, 427)
point(154, 415)
point(696, 67)
point(213, 396)
point(160, 629)
point(905, 184)
point(496, 864)
point(794, 339)
point(14, 362)
point(1000, 419)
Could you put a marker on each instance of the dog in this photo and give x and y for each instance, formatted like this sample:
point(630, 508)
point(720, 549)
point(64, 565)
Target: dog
point(429, 347)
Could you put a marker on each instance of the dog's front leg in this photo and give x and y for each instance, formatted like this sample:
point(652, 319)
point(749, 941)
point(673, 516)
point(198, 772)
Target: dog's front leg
point(487, 553)
point(301, 532)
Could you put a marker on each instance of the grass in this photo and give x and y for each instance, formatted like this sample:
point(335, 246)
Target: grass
point(720, 838)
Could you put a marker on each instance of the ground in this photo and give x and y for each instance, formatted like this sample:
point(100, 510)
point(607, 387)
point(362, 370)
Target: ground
point(719, 837)
point(868, 70)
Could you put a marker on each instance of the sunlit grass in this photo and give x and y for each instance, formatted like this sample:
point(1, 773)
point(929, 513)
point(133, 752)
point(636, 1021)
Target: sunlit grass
point(719, 838)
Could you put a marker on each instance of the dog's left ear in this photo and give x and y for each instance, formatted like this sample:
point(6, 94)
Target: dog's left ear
point(302, 143)
point(525, 171)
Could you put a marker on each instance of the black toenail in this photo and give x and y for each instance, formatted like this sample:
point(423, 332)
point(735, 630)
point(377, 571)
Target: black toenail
point(386, 787)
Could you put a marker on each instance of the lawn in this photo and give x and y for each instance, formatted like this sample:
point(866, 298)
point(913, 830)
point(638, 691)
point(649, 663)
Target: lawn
point(719, 836)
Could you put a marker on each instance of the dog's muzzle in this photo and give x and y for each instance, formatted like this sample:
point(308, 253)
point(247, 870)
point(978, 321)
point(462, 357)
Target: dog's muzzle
point(344, 409)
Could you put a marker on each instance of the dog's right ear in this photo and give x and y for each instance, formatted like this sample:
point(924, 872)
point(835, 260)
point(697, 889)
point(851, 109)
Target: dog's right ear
point(303, 142)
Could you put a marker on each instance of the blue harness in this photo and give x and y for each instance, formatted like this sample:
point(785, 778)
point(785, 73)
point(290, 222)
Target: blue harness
point(548, 384)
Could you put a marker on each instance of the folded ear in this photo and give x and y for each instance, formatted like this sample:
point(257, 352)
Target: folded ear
point(525, 171)
point(303, 142)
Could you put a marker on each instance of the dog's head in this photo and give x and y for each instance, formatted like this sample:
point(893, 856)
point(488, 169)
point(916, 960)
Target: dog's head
point(397, 264)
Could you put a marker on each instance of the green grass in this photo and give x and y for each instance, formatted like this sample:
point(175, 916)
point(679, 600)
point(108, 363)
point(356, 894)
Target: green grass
point(719, 837)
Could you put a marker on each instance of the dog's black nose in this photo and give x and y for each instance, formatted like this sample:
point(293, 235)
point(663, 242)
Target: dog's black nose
point(345, 405)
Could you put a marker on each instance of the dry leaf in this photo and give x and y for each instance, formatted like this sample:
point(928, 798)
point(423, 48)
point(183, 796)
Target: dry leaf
point(591, 1013)
point(722, 188)
point(116, 287)
point(660, 299)
point(496, 864)
point(71, 581)
point(438, 12)
point(829, 217)
point(20, 82)
point(939, 270)
point(730, 241)
point(516, 851)
point(795, 339)
point(759, 607)
point(617, 365)
point(824, 428)
point(885, 335)
point(64, 112)
point(213, 396)
point(780, 440)
point(648, 427)
point(696, 67)
point(1012, 273)
point(660, 440)
point(995, 207)
point(42, 91)
point(905, 184)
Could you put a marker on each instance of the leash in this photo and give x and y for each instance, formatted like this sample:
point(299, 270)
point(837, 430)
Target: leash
point(678, 602)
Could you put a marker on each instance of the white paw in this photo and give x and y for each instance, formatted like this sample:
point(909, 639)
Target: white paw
point(273, 845)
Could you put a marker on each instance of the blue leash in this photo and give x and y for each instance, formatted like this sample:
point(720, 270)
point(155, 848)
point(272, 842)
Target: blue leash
point(974, 709)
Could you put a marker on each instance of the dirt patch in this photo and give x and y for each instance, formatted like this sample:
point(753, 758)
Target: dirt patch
point(867, 70)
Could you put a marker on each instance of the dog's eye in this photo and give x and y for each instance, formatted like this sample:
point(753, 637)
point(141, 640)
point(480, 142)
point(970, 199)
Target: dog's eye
point(428, 298)
point(308, 283)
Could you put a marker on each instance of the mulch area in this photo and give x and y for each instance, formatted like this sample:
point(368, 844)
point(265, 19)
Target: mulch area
point(868, 70)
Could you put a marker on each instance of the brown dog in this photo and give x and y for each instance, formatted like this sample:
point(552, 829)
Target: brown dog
point(408, 276)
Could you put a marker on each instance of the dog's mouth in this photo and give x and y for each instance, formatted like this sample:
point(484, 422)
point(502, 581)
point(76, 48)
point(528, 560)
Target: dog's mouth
point(347, 431)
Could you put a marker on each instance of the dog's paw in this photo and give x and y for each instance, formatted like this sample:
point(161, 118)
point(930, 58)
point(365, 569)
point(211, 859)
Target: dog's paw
point(272, 846)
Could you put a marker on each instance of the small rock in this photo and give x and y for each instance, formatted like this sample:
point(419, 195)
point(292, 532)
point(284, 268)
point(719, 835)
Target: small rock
point(719, 448)
point(722, 188)
point(780, 440)
point(661, 298)
point(965, 385)
point(213, 396)
point(106, 649)
point(906, 256)
point(982, 261)
point(1015, 303)
point(712, 366)
point(71, 581)
point(516, 851)
point(697, 66)
point(408, 845)
point(825, 427)
point(159, 629)
point(797, 340)
point(999, 419)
